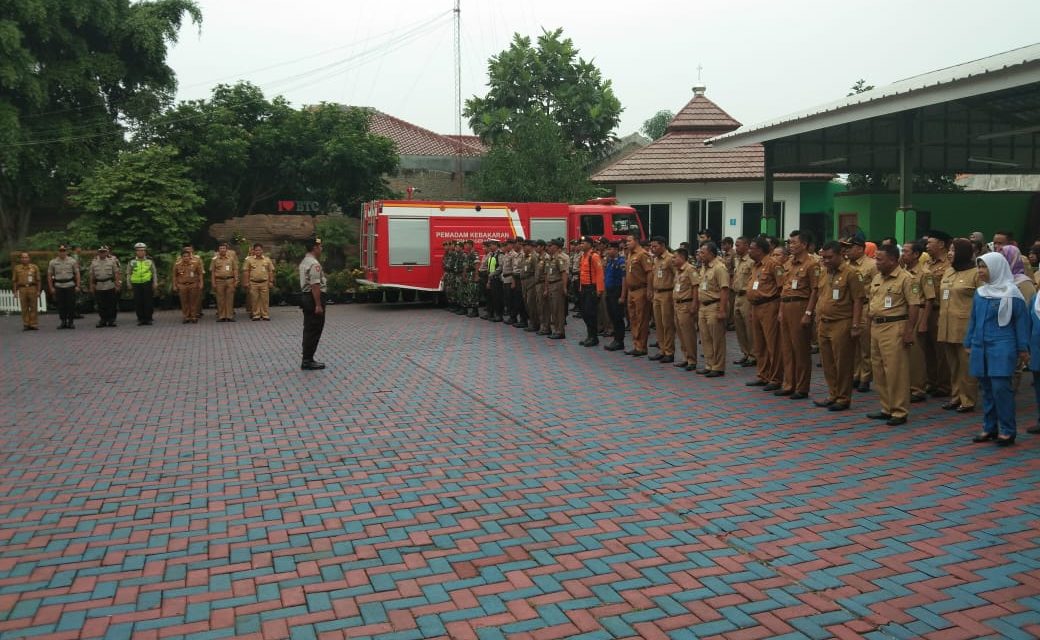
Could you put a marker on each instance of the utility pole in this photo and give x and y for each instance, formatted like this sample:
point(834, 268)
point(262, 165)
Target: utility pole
point(458, 97)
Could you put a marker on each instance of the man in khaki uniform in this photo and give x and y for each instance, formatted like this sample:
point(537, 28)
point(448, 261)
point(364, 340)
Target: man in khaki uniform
point(197, 261)
point(26, 280)
point(910, 261)
point(743, 265)
point(105, 281)
point(763, 294)
point(662, 280)
point(937, 245)
point(557, 269)
point(638, 267)
point(797, 299)
point(893, 308)
point(187, 284)
point(258, 276)
point(711, 302)
point(687, 279)
point(866, 266)
point(839, 314)
point(63, 278)
point(530, 273)
point(223, 271)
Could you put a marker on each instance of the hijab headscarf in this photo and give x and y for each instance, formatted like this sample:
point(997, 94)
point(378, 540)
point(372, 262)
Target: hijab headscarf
point(1016, 262)
point(1001, 286)
point(870, 249)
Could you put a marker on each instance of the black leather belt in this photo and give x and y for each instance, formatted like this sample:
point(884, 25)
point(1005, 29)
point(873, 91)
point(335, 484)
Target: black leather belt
point(101, 279)
point(708, 303)
point(225, 277)
point(56, 281)
point(764, 300)
point(835, 319)
point(886, 319)
point(793, 299)
point(741, 293)
point(683, 300)
point(663, 290)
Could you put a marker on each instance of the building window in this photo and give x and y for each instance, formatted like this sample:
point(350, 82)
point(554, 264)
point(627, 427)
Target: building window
point(751, 218)
point(704, 214)
point(409, 240)
point(592, 225)
point(656, 218)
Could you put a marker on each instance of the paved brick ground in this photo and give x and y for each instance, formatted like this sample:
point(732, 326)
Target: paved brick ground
point(452, 478)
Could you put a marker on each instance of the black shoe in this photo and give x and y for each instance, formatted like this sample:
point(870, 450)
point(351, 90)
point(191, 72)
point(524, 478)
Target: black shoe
point(267, 319)
point(557, 336)
point(741, 361)
point(691, 367)
point(681, 365)
point(26, 328)
point(702, 372)
point(918, 397)
point(963, 409)
point(772, 386)
point(656, 356)
point(780, 393)
point(756, 383)
point(637, 354)
point(472, 313)
point(531, 329)
point(714, 374)
point(750, 363)
point(984, 437)
point(1005, 442)
point(863, 387)
point(101, 325)
point(838, 407)
point(140, 323)
point(1035, 429)
point(950, 406)
point(798, 395)
point(667, 359)
point(614, 346)
point(592, 343)
point(895, 422)
point(312, 365)
point(823, 403)
point(231, 320)
point(879, 415)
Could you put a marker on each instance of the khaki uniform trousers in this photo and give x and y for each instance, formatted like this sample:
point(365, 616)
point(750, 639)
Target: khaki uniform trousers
point(189, 295)
point(766, 334)
point(224, 290)
point(713, 336)
point(686, 327)
point(795, 344)
point(28, 299)
point(742, 325)
point(664, 320)
point(918, 369)
point(533, 303)
point(935, 357)
point(864, 370)
point(964, 388)
point(837, 354)
point(637, 318)
point(891, 367)
point(260, 295)
point(557, 302)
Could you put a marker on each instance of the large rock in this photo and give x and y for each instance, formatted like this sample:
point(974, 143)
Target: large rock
point(266, 229)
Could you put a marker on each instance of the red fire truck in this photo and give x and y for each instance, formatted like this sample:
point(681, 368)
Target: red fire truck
point(402, 240)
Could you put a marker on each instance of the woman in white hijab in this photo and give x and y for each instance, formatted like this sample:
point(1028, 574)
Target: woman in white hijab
point(998, 343)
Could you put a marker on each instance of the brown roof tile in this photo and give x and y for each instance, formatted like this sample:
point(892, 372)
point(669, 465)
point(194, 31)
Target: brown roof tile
point(472, 141)
point(413, 140)
point(701, 114)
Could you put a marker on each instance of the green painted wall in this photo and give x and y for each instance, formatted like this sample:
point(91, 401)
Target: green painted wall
point(956, 213)
point(818, 197)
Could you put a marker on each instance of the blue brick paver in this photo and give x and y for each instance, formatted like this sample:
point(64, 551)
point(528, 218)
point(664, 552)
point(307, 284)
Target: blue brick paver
point(449, 477)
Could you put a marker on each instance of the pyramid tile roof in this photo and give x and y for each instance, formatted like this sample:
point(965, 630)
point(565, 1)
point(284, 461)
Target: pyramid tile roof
point(701, 114)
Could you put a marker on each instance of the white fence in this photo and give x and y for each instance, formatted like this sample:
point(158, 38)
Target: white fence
point(9, 302)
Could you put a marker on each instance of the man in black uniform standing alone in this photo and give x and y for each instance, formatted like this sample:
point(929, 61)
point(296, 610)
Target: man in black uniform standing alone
point(312, 284)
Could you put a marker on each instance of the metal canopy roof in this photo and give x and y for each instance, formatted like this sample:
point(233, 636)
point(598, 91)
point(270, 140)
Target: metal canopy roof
point(977, 117)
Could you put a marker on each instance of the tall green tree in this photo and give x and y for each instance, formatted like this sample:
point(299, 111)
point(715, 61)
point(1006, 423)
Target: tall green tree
point(73, 75)
point(550, 79)
point(141, 196)
point(655, 126)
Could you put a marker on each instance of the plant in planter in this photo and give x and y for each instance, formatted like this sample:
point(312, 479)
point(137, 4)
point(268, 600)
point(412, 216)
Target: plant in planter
point(286, 285)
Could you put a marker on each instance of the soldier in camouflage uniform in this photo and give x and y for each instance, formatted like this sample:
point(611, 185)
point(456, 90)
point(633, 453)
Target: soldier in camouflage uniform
point(449, 289)
point(469, 293)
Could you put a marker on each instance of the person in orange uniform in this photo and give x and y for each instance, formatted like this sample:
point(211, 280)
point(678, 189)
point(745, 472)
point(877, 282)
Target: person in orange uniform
point(743, 266)
point(763, 294)
point(662, 280)
point(956, 295)
point(223, 271)
point(910, 261)
point(797, 299)
point(187, 284)
point(712, 302)
point(258, 275)
point(937, 244)
point(839, 317)
point(26, 280)
point(687, 279)
point(855, 253)
point(590, 282)
point(638, 267)
point(894, 300)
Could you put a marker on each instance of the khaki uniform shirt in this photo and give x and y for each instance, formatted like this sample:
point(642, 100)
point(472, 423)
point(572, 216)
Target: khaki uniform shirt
point(663, 276)
point(556, 268)
point(956, 294)
point(25, 276)
point(867, 267)
point(638, 266)
point(197, 261)
point(538, 260)
point(258, 270)
point(310, 273)
point(765, 280)
point(892, 295)
point(743, 267)
point(935, 269)
point(104, 273)
point(714, 278)
point(838, 292)
point(800, 277)
point(928, 284)
point(687, 278)
point(64, 271)
point(186, 273)
point(510, 261)
point(225, 268)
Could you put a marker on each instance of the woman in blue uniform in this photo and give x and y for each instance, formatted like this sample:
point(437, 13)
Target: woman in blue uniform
point(1034, 355)
point(997, 341)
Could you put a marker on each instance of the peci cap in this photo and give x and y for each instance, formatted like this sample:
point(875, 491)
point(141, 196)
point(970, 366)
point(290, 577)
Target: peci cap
point(855, 239)
point(941, 236)
point(140, 245)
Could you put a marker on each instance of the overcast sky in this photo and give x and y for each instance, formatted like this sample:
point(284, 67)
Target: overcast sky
point(760, 59)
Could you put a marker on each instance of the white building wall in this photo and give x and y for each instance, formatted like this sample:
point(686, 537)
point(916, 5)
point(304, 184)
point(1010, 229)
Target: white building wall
point(732, 195)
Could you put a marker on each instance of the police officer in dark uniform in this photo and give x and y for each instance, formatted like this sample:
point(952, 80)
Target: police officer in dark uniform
point(312, 285)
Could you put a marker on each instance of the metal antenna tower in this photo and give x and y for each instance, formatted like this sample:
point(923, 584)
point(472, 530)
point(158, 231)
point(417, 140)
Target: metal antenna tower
point(458, 95)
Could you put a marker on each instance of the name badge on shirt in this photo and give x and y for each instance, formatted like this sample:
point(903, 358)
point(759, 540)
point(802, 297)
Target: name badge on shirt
point(227, 267)
point(794, 283)
point(946, 294)
point(835, 294)
point(678, 287)
point(191, 273)
point(754, 285)
point(704, 285)
point(30, 280)
point(888, 302)
point(660, 273)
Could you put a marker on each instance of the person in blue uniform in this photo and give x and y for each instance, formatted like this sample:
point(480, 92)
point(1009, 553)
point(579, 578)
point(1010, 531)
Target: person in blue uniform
point(1034, 355)
point(998, 343)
